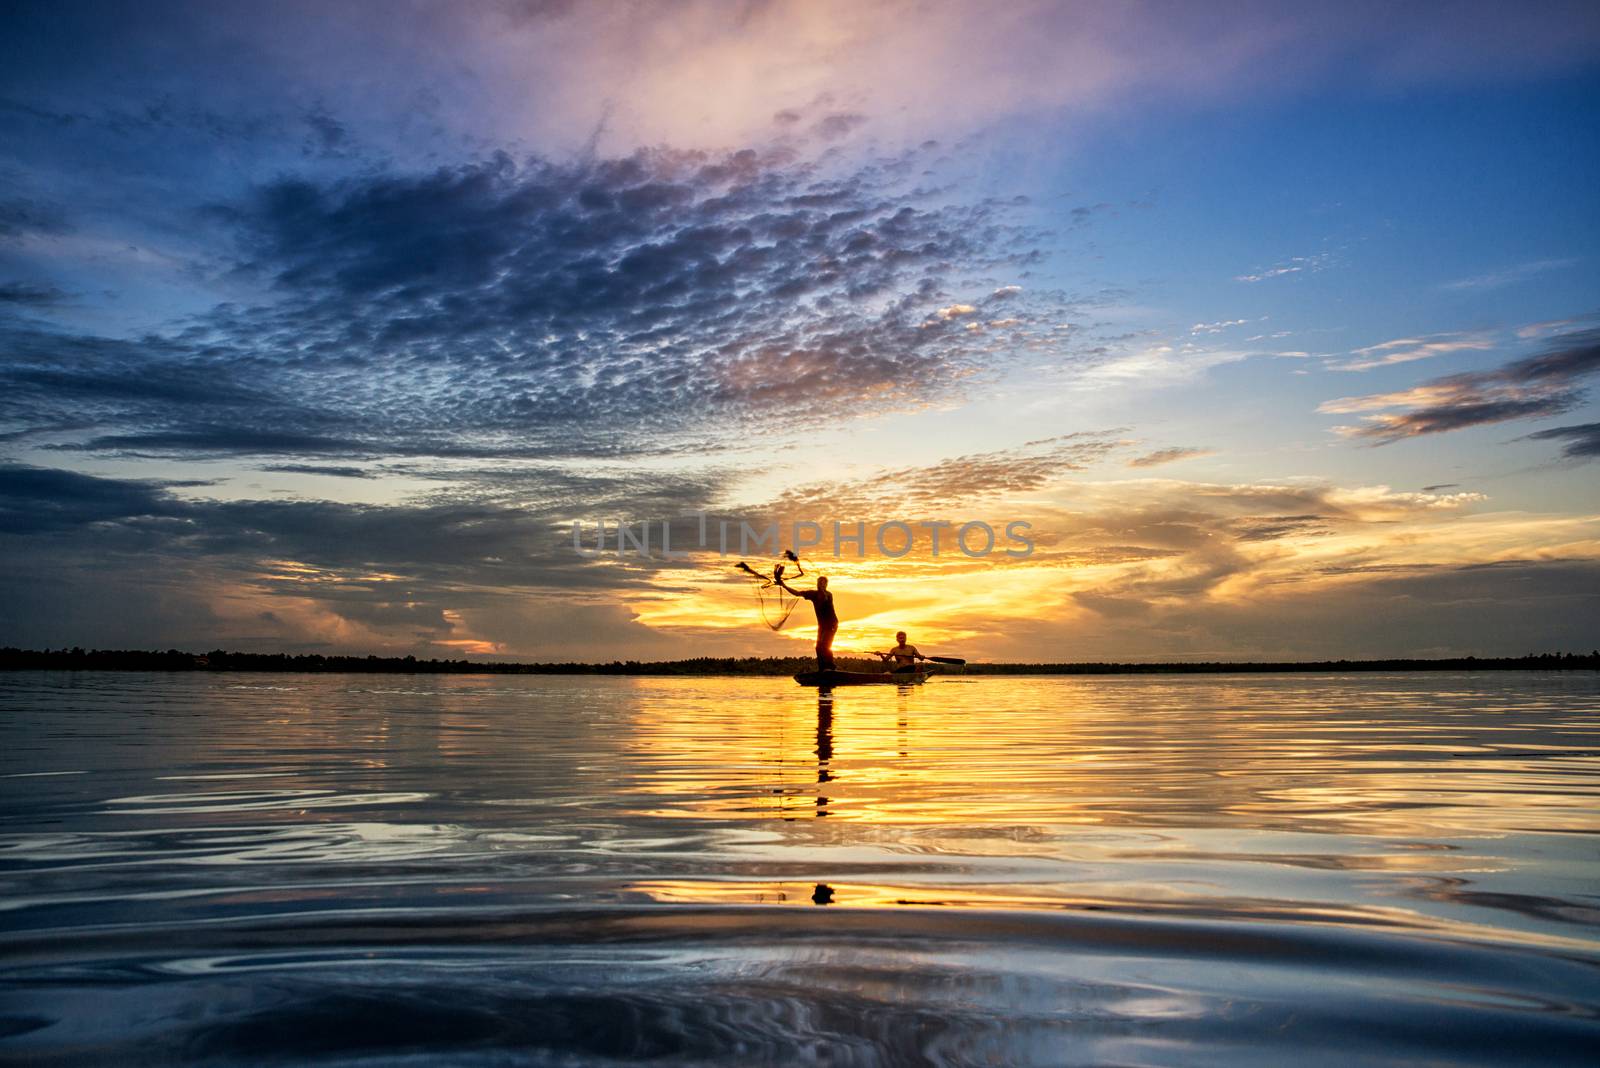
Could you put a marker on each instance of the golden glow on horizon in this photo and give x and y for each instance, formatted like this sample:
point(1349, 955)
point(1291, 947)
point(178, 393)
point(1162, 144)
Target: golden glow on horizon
point(1110, 558)
point(1357, 536)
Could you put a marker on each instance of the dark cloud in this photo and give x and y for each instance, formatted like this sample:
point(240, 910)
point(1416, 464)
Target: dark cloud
point(65, 380)
point(1167, 456)
point(37, 500)
point(215, 441)
point(21, 215)
point(841, 124)
point(1582, 440)
point(1462, 412)
point(1538, 386)
point(1273, 527)
point(1376, 569)
point(320, 469)
point(407, 573)
point(155, 384)
point(1526, 606)
point(26, 294)
point(357, 605)
point(420, 575)
point(1566, 357)
point(327, 137)
point(521, 521)
point(504, 308)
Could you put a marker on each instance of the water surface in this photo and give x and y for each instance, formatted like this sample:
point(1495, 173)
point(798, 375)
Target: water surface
point(1179, 870)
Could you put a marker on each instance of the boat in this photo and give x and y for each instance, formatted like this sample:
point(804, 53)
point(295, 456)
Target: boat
point(828, 679)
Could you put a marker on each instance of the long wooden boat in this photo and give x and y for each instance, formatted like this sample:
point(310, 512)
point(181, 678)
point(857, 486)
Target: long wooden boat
point(826, 679)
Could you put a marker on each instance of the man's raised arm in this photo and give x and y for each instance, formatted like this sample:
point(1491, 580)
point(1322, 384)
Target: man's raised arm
point(798, 593)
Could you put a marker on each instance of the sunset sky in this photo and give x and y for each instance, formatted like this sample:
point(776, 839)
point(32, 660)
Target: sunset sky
point(320, 324)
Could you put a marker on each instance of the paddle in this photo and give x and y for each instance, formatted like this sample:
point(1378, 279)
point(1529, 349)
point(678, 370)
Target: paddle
point(935, 659)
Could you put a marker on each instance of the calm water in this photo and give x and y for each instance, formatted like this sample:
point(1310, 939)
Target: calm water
point(1217, 870)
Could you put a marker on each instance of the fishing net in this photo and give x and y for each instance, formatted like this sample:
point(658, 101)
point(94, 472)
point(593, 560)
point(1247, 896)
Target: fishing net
point(777, 603)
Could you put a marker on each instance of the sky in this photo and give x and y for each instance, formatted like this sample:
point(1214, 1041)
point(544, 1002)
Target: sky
point(323, 326)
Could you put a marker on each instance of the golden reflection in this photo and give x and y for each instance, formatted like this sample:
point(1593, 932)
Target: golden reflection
point(1030, 758)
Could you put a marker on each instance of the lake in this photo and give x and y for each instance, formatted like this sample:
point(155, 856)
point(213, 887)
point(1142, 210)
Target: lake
point(1228, 870)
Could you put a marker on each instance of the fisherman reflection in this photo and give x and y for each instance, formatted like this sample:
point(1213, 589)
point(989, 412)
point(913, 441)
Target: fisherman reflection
point(824, 746)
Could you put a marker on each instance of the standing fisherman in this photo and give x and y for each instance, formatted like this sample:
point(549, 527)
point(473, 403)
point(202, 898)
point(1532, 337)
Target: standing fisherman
point(827, 618)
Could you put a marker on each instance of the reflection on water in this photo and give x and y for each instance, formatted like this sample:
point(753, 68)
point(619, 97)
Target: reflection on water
point(1173, 870)
point(824, 747)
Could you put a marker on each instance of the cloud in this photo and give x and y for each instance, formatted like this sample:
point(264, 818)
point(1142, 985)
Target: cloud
point(1293, 265)
point(1535, 386)
point(1582, 441)
point(327, 136)
point(1220, 325)
point(1166, 364)
point(320, 469)
point(1171, 552)
point(1380, 611)
point(534, 308)
point(1147, 568)
point(1274, 527)
point(1167, 456)
point(42, 500)
point(443, 247)
point(943, 487)
point(1545, 328)
point(24, 215)
point(209, 442)
point(490, 74)
point(30, 294)
point(398, 576)
point(833, 127)
point(1407, 349)
point(1509, 276)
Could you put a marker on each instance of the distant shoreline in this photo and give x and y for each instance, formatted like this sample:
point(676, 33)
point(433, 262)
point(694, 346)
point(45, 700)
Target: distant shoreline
point(12, 659)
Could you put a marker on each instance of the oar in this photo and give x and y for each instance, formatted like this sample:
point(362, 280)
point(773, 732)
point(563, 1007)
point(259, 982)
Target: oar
point(935, 659)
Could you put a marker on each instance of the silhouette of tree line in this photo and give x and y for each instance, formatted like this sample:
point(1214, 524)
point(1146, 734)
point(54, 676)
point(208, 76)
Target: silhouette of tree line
point(78, 659)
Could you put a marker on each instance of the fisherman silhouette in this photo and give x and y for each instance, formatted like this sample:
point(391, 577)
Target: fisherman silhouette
point(827, 618)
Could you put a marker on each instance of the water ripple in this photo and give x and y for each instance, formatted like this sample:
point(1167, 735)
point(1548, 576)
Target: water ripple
point(1188, 871)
